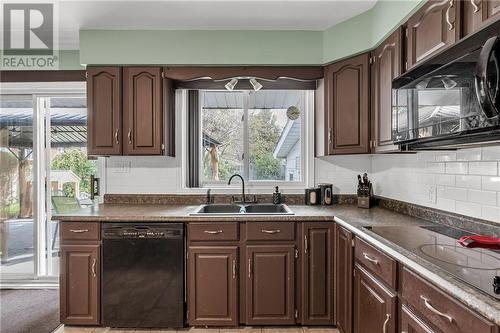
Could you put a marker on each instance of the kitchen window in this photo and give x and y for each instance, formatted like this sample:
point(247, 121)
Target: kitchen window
point(258, 134)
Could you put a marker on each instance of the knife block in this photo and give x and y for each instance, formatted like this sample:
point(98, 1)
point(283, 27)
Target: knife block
point(364, 202)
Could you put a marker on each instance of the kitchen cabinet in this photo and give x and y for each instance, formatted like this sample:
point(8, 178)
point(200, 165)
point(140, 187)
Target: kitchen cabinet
point(344, 278)
point(386, 65)
point(104, 114)
point(270, 284)
point(80, 284)
point(317, 273)
point(478, 13)
point(347, 106)
point(130, 111)
point(412, 323)
point(375, 306)
point(433, 27)
point(212, 285)
point(142, 111)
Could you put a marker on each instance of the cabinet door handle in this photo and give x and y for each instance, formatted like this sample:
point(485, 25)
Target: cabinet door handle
point(249, 268)
point(271, 231)
point(330, 135)
point(450, 24)
point(386, 322)
point(370, 259)
point(213, 232)
point(129, 135)
point(234, 269)
point(305, 243)
point(429, 306)
point(475, 5)
point(79, 231)
point(116, 136)
point(94, 261)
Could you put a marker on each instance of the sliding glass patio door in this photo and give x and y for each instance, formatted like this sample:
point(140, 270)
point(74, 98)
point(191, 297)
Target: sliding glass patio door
point(44, 169)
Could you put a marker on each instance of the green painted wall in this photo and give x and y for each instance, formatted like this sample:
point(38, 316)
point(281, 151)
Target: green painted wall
point(205, 47)
point(365, 31)
point(69, 60)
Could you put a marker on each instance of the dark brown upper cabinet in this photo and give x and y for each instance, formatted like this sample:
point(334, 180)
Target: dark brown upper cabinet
point(212, 285)
point(375, 307)
point(386, 65)
point(142, 111)
point(433, 27)
point(317, 273)
point(477, 13)
point(104, 121)
point(270, 284)
point(344, 257)
point(347, 106)
point(80, 284)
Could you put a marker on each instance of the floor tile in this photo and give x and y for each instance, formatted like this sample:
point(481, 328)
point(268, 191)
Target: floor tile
point(78, 329)
point(244, 329)
point(291, 329)
point(320, 330)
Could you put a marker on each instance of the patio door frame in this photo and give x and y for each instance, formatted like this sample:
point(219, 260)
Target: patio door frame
point(41, 92)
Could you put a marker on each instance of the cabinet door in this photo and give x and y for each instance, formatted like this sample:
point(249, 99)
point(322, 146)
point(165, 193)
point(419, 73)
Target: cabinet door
point(347, 106)
point(374, 306)
point(411, 323)
point(433, 27)
point(317, 273)
point(270, 286)
point(212, 285)
point(80, 284)
point(343, 279)
point(477, 13)
point(104, 111)
point(386, 65)
point(142, 123)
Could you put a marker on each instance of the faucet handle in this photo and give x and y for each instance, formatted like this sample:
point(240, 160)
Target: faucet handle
point(210, 199)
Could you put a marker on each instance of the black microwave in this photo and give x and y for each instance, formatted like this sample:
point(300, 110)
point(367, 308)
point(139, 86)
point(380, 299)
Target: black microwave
point(453, 99)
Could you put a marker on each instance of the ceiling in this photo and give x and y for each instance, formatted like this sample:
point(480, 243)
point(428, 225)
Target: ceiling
point(203, 15)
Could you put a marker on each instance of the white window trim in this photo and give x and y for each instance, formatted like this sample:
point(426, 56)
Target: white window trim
point(264, 186)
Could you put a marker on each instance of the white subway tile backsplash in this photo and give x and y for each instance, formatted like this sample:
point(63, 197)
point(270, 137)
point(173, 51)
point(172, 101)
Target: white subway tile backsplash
point(469, 209)
point(434, 167)
point(455, 193)
point(442, 179)
point(483, 168)
point(491, 153)
point(482, 197)
point(491, 213)
point(445, 204)
point(457, 167)
point(446, 156)
point(490, 183)
point(473, 154)
point(468, 181)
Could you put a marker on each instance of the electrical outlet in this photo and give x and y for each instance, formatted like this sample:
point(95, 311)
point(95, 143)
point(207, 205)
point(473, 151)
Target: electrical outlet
point(432, 194)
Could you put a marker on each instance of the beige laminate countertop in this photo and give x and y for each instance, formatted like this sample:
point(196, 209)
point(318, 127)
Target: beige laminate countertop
point(350, 217)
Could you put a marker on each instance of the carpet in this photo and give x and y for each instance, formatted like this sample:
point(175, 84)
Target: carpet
point(29, 310)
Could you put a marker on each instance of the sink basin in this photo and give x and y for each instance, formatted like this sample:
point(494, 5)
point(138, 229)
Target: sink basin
point(243, 209)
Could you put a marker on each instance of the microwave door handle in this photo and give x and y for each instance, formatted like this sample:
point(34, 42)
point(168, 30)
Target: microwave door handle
point(481, 78)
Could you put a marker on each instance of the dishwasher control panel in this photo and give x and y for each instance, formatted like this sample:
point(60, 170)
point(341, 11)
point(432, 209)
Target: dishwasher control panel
point(117, 231)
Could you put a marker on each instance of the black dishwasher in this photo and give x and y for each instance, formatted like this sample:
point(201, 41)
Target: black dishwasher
point(143, 275)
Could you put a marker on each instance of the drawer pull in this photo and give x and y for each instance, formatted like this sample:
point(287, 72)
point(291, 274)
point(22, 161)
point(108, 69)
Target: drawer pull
point(370, 259)
point(234, 269)
point(386, 322)
point(429, 306)
point(271, 231)
point(213, 232)
point(249, 268)
point(93, 267)
point(79, 231)
point(448, 21)
point(475, 5)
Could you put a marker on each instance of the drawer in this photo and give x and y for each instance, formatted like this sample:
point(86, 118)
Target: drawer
point(213, 231)
point(80, 231)
point(270, 231)
point(440, 309)
point(376, 262)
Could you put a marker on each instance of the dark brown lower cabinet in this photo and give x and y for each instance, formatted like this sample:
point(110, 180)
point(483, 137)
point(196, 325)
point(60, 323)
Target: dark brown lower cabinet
point(317, 273)
point(375, 306)
point(343, 279)
point(79, 283)
point(270, 284)
point(212, 285)
point(411, 323)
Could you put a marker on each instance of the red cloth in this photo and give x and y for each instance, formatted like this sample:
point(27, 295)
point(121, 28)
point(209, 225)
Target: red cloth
point(485, 242)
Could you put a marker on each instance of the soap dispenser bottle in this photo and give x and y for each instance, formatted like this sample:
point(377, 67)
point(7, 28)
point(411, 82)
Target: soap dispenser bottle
point(277, 196)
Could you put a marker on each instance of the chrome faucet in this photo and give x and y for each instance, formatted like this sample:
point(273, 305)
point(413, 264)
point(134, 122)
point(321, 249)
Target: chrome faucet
point(242, 186)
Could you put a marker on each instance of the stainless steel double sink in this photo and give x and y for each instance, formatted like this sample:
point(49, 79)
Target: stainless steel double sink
point(243, 209)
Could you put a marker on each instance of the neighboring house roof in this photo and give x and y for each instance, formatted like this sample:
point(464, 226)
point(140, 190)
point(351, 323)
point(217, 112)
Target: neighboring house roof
point(263, 99)
point(208, 141)
point(288, 138)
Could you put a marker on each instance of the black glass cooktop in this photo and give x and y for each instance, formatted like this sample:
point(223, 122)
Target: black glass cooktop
point(438, 244)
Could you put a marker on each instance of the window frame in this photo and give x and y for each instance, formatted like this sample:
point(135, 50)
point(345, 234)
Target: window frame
point(306, 149)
